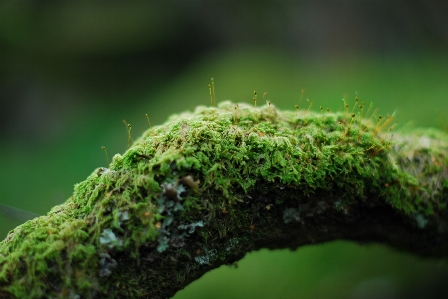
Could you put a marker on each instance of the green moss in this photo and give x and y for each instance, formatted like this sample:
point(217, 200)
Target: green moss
point(206, 187)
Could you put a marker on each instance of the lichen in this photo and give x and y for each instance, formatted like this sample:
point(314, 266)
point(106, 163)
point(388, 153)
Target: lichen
point(209, 186)
point(109, 239)
point(291, 215)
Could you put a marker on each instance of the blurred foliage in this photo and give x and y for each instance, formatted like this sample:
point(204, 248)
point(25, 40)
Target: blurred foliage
point(71, 71)
point(334, 270)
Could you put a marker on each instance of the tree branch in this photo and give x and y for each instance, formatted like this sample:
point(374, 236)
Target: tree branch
point(207, 187)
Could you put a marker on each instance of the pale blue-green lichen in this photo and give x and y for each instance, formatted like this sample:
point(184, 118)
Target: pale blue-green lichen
point(206, 187)
point(109, 239)
point(207, 257)
point(291, 215)
point(107, 264)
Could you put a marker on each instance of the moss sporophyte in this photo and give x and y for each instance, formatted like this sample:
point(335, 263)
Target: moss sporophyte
point(208, 186)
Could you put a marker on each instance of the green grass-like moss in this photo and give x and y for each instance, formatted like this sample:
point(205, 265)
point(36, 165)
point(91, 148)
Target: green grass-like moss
point(206, 187)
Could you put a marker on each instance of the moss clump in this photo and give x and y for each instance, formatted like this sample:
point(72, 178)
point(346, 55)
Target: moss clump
point(206, 187)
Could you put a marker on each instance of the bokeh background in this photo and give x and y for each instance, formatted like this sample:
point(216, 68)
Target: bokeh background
point(70, 72)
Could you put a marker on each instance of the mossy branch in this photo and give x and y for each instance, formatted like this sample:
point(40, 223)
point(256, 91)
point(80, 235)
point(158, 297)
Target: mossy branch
point(207, 187)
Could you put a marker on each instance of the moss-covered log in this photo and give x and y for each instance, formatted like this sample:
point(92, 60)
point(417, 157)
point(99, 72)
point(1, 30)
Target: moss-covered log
point(207, 187)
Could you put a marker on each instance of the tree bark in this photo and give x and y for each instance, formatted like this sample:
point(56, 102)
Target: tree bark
point(207, 187)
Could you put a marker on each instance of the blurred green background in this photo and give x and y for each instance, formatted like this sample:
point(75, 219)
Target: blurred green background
point(70, 72)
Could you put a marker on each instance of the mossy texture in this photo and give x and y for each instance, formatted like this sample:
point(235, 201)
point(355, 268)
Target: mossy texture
point(207, 187)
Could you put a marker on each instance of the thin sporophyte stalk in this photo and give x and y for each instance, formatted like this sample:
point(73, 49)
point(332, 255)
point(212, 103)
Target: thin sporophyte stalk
point(208, 186)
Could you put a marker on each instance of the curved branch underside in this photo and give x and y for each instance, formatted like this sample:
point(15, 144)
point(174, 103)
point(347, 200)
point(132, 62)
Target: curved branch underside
point(207, 187)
